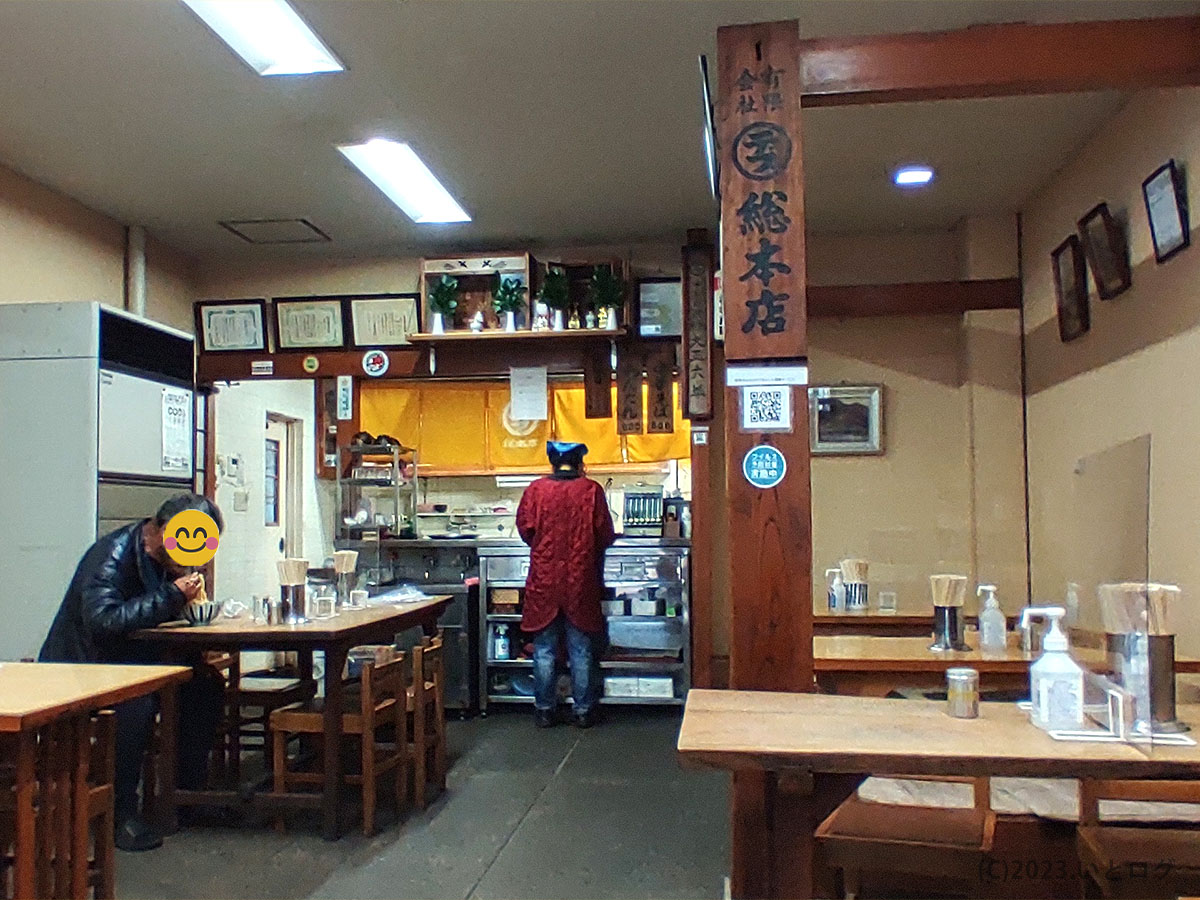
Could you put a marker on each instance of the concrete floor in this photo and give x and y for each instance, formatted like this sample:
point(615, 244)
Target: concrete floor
point(528, 814)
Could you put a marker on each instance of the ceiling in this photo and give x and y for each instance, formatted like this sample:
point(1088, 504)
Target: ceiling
point(552, 122)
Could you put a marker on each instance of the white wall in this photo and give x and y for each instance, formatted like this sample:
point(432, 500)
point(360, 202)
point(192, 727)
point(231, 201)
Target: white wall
point(245, 563)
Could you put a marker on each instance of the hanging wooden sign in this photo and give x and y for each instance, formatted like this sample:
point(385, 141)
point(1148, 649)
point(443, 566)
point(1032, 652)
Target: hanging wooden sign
point(597, 384)
point(660, 377)
point(630, 364)
point(696, 396)
point(762, 192)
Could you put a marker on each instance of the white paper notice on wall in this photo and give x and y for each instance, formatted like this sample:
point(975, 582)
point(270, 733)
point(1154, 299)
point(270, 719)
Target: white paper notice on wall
point(176, 430)
point(527, 388)
point(345, 397)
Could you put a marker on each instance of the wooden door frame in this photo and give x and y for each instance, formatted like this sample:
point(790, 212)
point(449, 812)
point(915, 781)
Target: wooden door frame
point(772, 840)
point(293, 524)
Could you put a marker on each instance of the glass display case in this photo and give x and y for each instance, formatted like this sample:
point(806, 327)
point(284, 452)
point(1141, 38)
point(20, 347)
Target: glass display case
point(376, 492)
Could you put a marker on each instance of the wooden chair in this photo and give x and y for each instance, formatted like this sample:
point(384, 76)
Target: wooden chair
point(381, 709)
point(1133, 859)
point(947, 844)
point(427, 708)
point(94, 866)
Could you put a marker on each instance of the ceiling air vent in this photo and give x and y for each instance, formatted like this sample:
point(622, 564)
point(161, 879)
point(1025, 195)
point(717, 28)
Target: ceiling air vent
point(276, 231)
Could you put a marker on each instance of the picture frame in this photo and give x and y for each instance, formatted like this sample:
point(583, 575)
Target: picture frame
point(845, 420)
point(1070, 289)
point(1165, 196)
point(309, 323)
point(231, 326)
point(1107, 251)
point(660, 307)
point(382, 320)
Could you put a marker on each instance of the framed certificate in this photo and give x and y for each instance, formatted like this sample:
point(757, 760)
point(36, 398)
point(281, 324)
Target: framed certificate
point(660, 307)
point(1106, 251)
point(1070, 289)
point(309, 323)
point(226, 326)
point(1166, 207)
point(383, 320)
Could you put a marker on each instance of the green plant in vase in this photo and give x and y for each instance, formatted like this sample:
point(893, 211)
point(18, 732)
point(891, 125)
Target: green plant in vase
point(606, 294)
point(443, 301)
point(556, 294)
point(508, 299)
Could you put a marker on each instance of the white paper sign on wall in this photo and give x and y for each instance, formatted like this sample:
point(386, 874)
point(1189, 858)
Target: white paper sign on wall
point(345, 398)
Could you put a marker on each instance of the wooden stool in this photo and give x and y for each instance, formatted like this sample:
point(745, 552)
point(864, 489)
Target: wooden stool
point(944, 843)
point(427, 707)
point(1138, 859)
point(380, 706)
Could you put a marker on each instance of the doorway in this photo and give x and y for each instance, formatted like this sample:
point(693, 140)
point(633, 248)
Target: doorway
point(283, 495)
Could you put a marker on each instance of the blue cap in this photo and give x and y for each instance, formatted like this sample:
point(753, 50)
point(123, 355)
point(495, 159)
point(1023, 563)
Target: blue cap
point(562, 448)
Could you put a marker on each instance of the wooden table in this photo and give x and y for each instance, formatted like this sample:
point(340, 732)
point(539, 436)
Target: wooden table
point(804, 754)
point(334, 637)
point(875, 666)
point(883, 624)
point(45, 707)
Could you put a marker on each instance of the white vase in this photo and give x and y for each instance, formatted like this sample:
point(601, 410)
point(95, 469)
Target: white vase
point(611, 323)
point(439, 326)
point(558, 321)
point(510, 322)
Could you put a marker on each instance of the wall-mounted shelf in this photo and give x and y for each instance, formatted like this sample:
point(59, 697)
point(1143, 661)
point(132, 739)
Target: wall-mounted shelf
point(454, 337)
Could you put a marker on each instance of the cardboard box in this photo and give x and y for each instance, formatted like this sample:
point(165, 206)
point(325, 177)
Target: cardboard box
point(612, 607)
point(620, 687)
point(656, 686)
point(645, 608)
point(506, 597)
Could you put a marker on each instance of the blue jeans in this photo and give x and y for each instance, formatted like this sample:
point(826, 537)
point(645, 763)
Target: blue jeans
point(585, 669)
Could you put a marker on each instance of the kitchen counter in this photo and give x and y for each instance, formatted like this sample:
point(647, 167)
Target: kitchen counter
point(499, 543)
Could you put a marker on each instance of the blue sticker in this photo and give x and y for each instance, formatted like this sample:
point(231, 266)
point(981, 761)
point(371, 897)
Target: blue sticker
point(764, 466)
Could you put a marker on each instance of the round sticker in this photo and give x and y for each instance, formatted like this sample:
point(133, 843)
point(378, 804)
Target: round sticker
point(764, 466)
point(375, 363)
point(311, 364)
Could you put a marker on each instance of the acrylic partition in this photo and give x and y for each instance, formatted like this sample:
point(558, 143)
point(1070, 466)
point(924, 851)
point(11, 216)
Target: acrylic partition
point(1097, 528)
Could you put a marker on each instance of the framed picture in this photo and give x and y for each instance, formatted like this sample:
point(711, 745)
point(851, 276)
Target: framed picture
point(227, 326)
point(1106, 250)
point(309, 323)
point(1166, 207)
point(660, 307)
point(383, 320)
point(1070, 289)
point(845, 420)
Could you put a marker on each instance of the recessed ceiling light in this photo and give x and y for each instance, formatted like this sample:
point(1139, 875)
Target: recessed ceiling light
point(912, 176)
point(268, 34)
point(397, 171)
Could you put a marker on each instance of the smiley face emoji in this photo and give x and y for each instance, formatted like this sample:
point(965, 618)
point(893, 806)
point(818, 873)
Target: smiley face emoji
point(190, 538)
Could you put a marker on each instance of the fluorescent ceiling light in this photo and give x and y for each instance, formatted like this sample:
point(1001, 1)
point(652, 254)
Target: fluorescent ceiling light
point(399, 173)
point(268, 34)
point(913, 176)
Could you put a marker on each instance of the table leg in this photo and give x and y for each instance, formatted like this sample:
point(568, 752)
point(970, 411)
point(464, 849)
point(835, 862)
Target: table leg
point(335, 659)
point(775, 816)
point(25, 863)
point(430, 627)
point(168, 710)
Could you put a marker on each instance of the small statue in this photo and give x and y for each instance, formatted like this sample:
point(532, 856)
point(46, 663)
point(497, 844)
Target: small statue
point(573, 321)
point(477, 322)
point(589, 320)
point(602, 317)
point(541, 317)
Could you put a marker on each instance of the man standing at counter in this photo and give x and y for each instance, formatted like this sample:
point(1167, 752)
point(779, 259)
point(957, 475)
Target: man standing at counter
point(127, 581)
point(564, 519)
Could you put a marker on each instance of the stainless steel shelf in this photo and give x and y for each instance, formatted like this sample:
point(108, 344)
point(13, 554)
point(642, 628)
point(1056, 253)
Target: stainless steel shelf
point(504, 617)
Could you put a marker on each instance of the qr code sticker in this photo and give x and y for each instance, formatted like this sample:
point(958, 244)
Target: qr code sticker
point(766, 408)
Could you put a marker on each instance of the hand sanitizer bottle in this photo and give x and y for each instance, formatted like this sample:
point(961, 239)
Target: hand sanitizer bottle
point(1055, 680)
point(836, 588)
point(993, 627)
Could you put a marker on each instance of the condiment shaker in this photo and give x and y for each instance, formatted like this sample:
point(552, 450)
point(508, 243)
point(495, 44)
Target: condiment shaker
point(962, 693)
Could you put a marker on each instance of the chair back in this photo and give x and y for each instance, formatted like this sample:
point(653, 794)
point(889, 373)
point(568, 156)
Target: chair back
point(381, 683)
point(103, 765)
point(427, 670)
point(1093, 790)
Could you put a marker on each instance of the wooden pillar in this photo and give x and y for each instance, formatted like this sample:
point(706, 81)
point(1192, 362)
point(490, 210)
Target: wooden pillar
point(768, 494)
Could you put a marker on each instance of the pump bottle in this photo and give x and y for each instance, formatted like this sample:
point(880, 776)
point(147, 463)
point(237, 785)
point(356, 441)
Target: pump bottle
point(836, 589)
point(1055, 680)
point(993, 626)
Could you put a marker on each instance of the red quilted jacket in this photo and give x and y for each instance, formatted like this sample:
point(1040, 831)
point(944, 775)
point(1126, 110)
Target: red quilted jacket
point(567, 526)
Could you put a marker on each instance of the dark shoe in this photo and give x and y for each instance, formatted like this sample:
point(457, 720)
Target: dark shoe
point(543, 718)
point(133, 836)
point(587, 719)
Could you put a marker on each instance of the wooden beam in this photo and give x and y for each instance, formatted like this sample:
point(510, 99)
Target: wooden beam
point(214, 367)
point(1001, 60)
point(920, 298)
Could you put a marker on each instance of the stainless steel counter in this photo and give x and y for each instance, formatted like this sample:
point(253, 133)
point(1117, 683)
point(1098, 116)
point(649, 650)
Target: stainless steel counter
point(483, 545)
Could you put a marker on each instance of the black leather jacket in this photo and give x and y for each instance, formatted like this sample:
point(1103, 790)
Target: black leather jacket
point(117, 588)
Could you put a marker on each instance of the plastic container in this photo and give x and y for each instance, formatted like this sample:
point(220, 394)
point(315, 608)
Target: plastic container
point(836, 589)
point(962, 693)
point(993, 627)
point(501, 647)
point(1055, 680)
